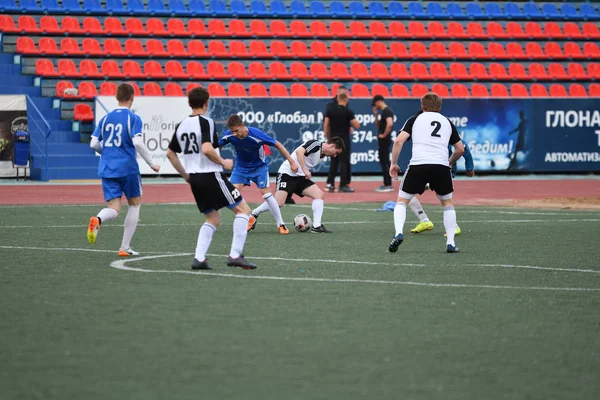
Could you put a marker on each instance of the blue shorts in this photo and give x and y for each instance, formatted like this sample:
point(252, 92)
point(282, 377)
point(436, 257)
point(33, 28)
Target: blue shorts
point(259, 175)
point(130, 185)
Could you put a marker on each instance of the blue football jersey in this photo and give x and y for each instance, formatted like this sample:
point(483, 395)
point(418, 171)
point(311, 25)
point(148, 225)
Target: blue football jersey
point(116, 131)
point(250, 150)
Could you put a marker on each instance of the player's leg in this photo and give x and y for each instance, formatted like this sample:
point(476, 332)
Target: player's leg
point(311, 190)
point(112, 196)
point(261, 178)
point(412, 183)
point(205, 189)
point(205, 235)
point(424, 223)
point(441, 183)
point(240, 223)
point(133, 192)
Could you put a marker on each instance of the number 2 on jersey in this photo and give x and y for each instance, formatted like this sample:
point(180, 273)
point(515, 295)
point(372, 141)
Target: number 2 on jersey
point(437, 125)
point(190, 139)
point(114, 135)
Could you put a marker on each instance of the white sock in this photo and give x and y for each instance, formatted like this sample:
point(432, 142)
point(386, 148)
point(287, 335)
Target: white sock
point(399, 217)
point(107, 214)
point(417, 209)
point(240, 226)
point(449, 224)
point(131, 221)
point(261, 209)
point(317, 207)
point(274, 208)
point(204, 238)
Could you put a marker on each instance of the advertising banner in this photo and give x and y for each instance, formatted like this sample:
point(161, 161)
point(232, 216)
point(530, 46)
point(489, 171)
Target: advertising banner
point(13, 118)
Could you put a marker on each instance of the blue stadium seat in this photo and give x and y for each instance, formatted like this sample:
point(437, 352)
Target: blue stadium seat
point(415, 10)
point(51, 6)
point(317, 9)
point(115, 7)
point(238, 8)
point(9, 5)
point(93, 7)
point(454, 11)
point(136, 7)
point(377, 9)
point(278, 9)
point(493, 11)
point(512, 11)
point(357, 9)
point(157, 7)
point(71, 7)
point(396, 9)
point(588, 11)
point(297, 8)
point(569, 11)
point(338, 9)
point(29, 6)
point(550, 11)
point(197, 8)
point(474, 11)
point(435, 11)
point(259, 9)
point(177, 7)
point(217, 8)
point(531, 11)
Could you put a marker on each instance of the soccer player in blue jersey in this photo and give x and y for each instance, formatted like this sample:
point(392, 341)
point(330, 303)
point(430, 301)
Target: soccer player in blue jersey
point(415, 205)
point(252, 165)
point(117, 137)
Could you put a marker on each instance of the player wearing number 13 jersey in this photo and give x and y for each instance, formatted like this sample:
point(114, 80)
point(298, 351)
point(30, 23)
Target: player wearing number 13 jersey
point(118, 137)
point(431, 133)
point(202, 168)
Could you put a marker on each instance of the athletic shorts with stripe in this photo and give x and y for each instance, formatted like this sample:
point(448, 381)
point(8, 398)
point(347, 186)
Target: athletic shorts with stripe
point(438, 176)
point(293, 184)
point(213, 191)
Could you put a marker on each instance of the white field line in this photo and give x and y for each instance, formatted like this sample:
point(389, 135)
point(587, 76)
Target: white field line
point(489, 221)
point(121, 265)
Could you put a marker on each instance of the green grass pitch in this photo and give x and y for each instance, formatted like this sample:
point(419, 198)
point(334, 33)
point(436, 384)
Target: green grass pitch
point(515, 315)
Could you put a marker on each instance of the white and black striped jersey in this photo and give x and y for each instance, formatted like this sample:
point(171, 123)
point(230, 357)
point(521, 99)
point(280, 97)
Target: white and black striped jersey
point(188, 138)
point(312, 157)
point(431, 133)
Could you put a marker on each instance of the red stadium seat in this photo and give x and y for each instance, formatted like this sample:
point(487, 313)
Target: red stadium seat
point(517, 71)
point(91, 26)
point(196, 28)
point(459, 71)
point(438, 71)
point(515, 51)
point(83, 112)
point(110, 69)
point(318, 29)
point(216, 90)
point(298, 49)
point(379, 51)
point(397, 30)
point(538, 72)
point(278, 70)
point(419, 71)
point(132, 70)
point(136, 89)
point(438, 51)
point(339, 50)
point(87, 90)
point(475, 31)
point(359, 49)
point(418, 50)
point(572, 50)
point(319, 71)
point(236, 90)
point(108, 89)
point(515, 31)
point(594, 90)
point(577, 90)
point(279, 29)
point(176, 48)
point(134, 26)
point(279, 49)
point(45, 67)
point(590, 30)
point(152, 69)
point(440, 89)
point(298, 29)
point(534, 51)
point(258, 48)
point(173, 90)
point(417, 30)
point(533, 30)
point(379, 89)
point(70, 47)
point(48, 46)
point(593, 70)
point(496, 51)
point(278, 90)
point(459, 90)
point(418, 90)
point(176, 27)
point(216, 48)
point(477, 51)
point(456, 31)
point(7, 24)
point(552, 31)
point(217, 28)
point(436, 30)
point(339, 30)
point(238, 29)
point(478, 71)
point(359, 71)
point(378, 30)
point(91, 47)
point(191, 86)
point(237, 49)
point(134, 48)
point(552, 50)
point(67, 68)
point(358, 30)
point(558, 91)
point(571, 30)
point(155, 48)
point(259, 28)
point(196, 49)
point(257, 70)
point(591, 51)
point(61, 86)
point(174, 70)
point(319, 50)
point(89, 69)
point(360, 90)
point(152, 89)
point(258, 90)
point(298, 90)
point(399, 90)
point(557, 71)
point(499, 90)
point(399, 71)
point(537, 90)
point(113, 26)
point(380, 72)
point(496, 31)
point(216, 70)
point(479, 90)
point(339, 71)
point(497, 71)
point(27, 24)
point(576, 71)
point(49, 25)
point(236, 70)
point(518, 90)
point(457, 51)
point(319, 90)
point(155, 27)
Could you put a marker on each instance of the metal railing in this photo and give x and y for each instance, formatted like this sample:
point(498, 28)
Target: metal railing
point(36, 120)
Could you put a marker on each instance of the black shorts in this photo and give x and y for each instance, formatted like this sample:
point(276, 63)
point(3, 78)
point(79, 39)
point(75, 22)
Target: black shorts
point(417, 176)
point(293, 184)
point(213, 191)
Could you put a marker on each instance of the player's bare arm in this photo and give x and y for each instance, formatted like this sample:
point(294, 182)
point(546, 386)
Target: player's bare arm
point(287, 155)
point(326, 127)
point(142, 150)
point(459, 150)
point(354, 124)
point(209, 151)
point(396, 149)
point(389, 121)
point(174, 160)
point(300, 153)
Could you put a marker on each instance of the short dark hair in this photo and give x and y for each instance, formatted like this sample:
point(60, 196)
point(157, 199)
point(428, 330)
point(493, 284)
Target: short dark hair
point(198, 97)
point(124, 92)
point(431, 102)
point(337, 142)
point(234, 120)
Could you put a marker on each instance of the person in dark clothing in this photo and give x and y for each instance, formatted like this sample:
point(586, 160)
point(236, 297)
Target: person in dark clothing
point(338, 121)
point(384, 120)
point(520, 130)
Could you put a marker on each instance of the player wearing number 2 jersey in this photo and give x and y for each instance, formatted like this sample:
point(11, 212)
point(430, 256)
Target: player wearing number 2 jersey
point(431, 133)
point(118, 137)
point(202, 168)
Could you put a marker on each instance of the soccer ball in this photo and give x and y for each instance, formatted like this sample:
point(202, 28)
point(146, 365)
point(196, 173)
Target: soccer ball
point(302, 223)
